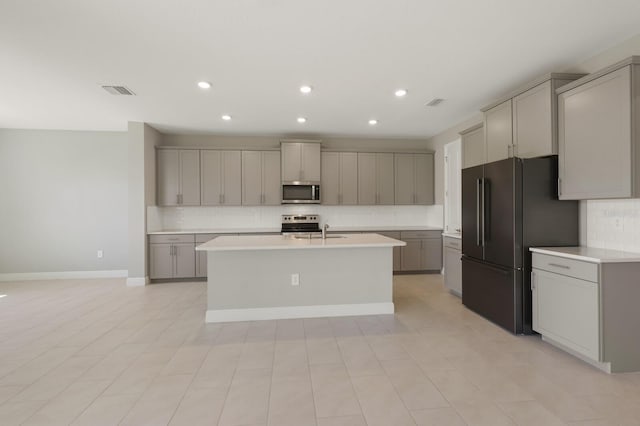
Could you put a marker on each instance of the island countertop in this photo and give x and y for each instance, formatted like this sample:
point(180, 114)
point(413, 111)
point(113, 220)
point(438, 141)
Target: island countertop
point(279, 242)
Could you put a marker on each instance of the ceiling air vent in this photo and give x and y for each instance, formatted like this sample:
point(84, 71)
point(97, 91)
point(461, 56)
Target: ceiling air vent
point(118, 90)
point(434, 102)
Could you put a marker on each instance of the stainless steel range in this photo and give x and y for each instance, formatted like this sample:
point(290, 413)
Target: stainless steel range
point(293, 224)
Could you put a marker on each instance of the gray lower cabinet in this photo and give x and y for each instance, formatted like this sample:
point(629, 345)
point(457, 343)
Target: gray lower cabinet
point(473, 148)
point(452, 250)
point(375, 179)
point(339, 181)
point(588, 308)
point(599, 137)
point(220, 178)
point(171, 256)
point(422, 252)
point(178, 177)
point(261, 183)
point(413, 179)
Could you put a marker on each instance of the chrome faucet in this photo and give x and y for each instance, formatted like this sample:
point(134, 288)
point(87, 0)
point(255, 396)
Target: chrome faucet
point(324, 231)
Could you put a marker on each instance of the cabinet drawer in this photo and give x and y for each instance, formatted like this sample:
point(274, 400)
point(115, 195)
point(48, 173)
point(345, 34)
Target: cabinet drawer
point(172, 238)
point(453, 243)
point(390, 234)
point(560, 265)
point(420, 234)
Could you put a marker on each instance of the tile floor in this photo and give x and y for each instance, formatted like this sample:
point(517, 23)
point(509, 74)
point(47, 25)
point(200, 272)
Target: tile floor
point(94, 352)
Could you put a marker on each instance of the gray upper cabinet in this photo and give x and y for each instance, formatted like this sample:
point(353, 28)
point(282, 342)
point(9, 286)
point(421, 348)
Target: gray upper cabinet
point(413, 178)
point(498, 132)
point(300, 161)
point(524, 124)
point(375, 179)
point(599, 142)
point(220, 178)
point(473, 148)
point(339, 182)
point(261, 178)
point(178, 177)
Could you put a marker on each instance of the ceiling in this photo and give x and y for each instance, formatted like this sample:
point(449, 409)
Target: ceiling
point(55, 55)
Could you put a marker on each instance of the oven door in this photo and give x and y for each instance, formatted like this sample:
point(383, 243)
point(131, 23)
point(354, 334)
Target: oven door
point(300, 194)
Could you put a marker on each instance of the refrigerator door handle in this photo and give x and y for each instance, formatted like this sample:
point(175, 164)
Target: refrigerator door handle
point(483, 199)
point(478, 211)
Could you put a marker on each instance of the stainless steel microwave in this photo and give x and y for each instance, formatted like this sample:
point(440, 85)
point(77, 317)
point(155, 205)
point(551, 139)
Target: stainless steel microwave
point(300, 193)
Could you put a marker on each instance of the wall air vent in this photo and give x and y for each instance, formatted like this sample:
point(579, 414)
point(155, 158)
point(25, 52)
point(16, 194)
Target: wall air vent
point(434, 102)
point(118, 90)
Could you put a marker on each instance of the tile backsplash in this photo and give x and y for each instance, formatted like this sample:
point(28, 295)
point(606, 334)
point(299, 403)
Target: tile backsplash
point(613, 224)
point(186, 218)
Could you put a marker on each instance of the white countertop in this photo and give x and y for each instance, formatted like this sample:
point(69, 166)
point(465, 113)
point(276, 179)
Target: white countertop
point(331, 229)
point(457, 235)
point(589, 254)
point(279, 242)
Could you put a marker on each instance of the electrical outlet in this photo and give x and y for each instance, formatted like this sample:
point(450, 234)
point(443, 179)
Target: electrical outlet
point(295, 279)
point(100, 254)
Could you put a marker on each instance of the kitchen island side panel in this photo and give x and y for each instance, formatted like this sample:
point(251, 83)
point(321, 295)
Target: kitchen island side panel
point(262, 278)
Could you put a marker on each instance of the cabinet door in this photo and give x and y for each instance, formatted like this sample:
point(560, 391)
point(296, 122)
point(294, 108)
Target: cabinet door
point(453, 270)
point(291, 161)
point(404, 179)
point(211, 177)
point(385, 179)
point(185, 260)
point(160, 261)
point(271, 184)
point(201, 264)
point(310, 162)
point(348, 178)
point(532, 122)
point(232, 178)
point(423, 164)
point(190, 177)
point(251, 178)
point(473, 148)
point(367, 186)
point(432, 254)
point(168, 176)
point(412, 256)
point(498, 132)
point(330, 185)
point(594, 138)
point(566, 310)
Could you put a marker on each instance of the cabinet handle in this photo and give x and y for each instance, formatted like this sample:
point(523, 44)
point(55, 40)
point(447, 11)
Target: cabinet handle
point(533, 280)
point(509, 151)
point(559, 187)
point(557, 265)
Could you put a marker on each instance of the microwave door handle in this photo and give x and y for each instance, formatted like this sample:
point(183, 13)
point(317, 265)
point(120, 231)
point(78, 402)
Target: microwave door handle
point(313, 192)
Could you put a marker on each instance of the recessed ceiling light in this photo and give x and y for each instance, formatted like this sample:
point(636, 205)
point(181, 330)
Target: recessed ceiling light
point(226, 117)
point(373, 122)
point(401, 92)
point(204, 85)
point(306, 89)
point(302, 120)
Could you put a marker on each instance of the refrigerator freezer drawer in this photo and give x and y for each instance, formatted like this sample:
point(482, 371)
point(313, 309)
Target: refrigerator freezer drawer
point(493, 292)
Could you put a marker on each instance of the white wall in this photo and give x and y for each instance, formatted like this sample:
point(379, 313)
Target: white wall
point(63, 196)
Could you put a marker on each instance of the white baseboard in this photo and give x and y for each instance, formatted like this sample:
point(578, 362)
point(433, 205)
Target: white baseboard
point(137, 281)
point(290, 312)
point(31, 276)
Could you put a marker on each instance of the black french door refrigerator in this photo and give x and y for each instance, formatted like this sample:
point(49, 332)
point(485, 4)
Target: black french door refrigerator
point(507, 207)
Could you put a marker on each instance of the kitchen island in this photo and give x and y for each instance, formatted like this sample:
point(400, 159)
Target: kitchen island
point(277, 277)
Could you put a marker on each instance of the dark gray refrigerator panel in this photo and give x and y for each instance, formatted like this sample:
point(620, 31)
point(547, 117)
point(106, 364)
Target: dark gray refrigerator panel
point(502, 210)
point(472, 212)
point(494, 292)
